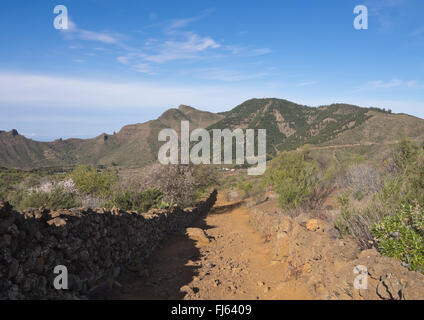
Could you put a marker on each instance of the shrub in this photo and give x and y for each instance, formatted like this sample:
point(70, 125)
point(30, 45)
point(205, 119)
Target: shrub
point(245, 187)
point(357, 223)
point(67, 186)
point(293, 178)
point(58, 198)
point(362, 180)
point(405, 153)
point(180, 184)
point(401, 236)
point(137, 201)
point(91, 181)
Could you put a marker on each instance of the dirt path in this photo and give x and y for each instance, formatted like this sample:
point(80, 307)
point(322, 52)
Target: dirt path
point(235, 264)
point(352, 145)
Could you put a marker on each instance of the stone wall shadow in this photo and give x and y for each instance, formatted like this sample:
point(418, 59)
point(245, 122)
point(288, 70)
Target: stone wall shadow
point(172, 266)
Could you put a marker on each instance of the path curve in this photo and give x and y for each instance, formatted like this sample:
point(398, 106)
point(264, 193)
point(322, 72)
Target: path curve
point(235, 264)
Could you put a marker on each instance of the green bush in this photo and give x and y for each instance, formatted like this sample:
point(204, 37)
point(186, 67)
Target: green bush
point(56, 199)
point(401, 236)
point(293, 178)
point(245, 187)
point(91, 181)
point(137, 201)
point(405, 153)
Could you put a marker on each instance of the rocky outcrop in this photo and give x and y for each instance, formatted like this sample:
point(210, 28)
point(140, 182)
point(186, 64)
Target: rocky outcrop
point(328, 264)
point(93, 244)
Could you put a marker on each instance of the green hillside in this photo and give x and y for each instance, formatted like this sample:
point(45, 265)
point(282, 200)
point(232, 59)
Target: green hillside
point(290, 125)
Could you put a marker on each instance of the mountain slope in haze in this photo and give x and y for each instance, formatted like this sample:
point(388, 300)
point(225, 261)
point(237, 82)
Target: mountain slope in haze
point(289, 125)
point(133, 145)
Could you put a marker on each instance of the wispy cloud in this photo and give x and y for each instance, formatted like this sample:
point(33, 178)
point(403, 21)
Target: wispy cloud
point(378, 6)
point(226, 75)
point(390, 84)
point(176, 24)
point(382, 10)
point(123, 59)
point(394, 83)
point(306, 83)
point(144, 68)
point(74, 32)
point(176, 41)
point(189, 48)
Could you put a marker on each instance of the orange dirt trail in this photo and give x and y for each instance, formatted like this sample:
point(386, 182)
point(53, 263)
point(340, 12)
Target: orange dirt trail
point(235, 264)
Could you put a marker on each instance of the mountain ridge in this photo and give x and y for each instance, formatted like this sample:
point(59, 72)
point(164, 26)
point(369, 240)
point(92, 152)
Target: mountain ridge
point(289, 126)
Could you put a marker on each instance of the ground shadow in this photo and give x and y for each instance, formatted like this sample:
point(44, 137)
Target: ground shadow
point(225, 208)
point(172, 266)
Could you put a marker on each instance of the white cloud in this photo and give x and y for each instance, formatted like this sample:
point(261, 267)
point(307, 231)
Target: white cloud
point(187, 49)
point(386, 85)
point(176, 24)
point(73, 32)
point(144, 68)
point(123, 59)
point(175, 44)
point(394, 83)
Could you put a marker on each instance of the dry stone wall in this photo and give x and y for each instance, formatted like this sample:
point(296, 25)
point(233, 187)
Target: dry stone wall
point(93, 244)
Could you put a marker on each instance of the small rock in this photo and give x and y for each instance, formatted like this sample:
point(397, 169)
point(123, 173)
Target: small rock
point(307, 268)
point(185, 289)
point(58, 222)
point(313, 225)
point(390, 288)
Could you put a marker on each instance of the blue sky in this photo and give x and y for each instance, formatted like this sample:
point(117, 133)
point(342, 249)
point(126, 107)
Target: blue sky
point(123, 62)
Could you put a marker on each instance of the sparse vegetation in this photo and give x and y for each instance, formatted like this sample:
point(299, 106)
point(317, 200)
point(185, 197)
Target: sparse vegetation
point(153, 187)
point(137, 201)
point(392, 219)
point(299, 182)
point(293, 179)
point(401, 236)
point(58, 198)
point(180, 184)
point(91, 181)
point(362, 179)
